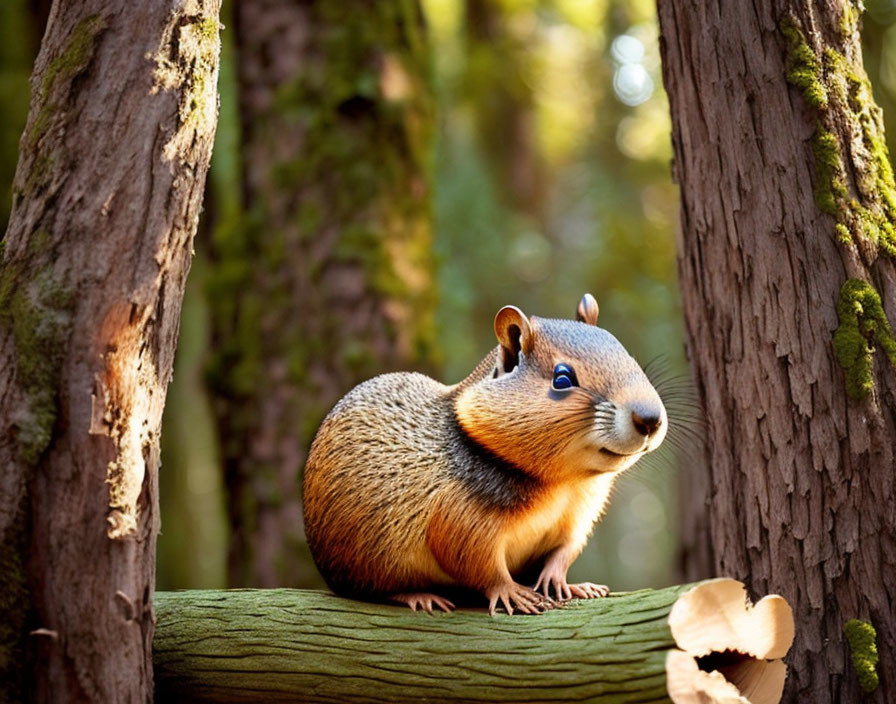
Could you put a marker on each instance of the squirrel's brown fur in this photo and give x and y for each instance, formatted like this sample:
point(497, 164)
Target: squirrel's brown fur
point(411, 484)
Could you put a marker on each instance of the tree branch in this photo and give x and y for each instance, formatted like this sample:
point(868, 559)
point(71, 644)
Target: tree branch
point(291, 645)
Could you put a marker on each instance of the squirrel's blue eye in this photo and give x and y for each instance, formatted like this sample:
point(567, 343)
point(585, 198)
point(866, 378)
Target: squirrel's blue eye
point(564, 377)
point(562, 382)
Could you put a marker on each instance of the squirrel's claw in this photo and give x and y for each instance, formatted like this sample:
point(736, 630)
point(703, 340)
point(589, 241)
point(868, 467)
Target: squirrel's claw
point(589, 590)
point(552, 576)
point(561, 588)
point(423, 600)
point(527, 601)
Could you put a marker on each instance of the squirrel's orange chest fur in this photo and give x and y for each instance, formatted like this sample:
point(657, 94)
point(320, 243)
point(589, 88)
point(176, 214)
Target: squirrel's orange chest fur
point(568, 510)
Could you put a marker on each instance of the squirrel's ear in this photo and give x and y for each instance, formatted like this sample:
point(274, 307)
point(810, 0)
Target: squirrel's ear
point(587, 310)
point(515, 334)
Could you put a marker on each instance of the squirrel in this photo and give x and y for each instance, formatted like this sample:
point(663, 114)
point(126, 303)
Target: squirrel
point(411, 485)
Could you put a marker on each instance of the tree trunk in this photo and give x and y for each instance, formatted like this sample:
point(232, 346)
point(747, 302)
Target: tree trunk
point(504, 107)
point(105, 201)
point(788, 283)
point(327, 279)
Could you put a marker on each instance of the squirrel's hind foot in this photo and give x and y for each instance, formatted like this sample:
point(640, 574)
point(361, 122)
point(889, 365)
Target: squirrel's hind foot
point(423, 600)
point(526, 600)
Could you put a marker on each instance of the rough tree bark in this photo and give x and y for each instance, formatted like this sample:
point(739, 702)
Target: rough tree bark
point(327, 280)
point(788, 284)
point(92, 269)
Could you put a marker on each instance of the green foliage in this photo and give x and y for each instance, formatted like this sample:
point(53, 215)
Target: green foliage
point(16, 57)
point(863, 646)
point(191, 552)
point(862, 323)
point(604, 219)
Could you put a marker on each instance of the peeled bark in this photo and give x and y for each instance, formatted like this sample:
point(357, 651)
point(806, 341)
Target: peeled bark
point(789, 291)
point(92, 269)
point(327, 279)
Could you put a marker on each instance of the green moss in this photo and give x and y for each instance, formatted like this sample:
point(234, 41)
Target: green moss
point(863, 647)
point(188, 67)
point(200, 45)
point(843, 235)
point(235, 367)
point(849, 19)
point(77, 53)
point(73, 60)
point(361, 172)
point(843, 83)
point(325, 279)
point(38, 311)
point(805, 69)
point(862, 323)
point(353, 198)
point(39, 241)
point(836, 87)
point(830, 186)
point(209, 28)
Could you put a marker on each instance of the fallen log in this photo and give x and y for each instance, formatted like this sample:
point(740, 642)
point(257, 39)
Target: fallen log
point(292, 645)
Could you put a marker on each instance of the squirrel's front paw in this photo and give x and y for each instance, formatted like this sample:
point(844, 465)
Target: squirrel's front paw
point(511, 594)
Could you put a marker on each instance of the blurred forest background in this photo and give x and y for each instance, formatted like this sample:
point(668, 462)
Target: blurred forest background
point(537, 167)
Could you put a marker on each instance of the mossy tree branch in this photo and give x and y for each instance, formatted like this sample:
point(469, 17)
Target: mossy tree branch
point(290, 645)
point(694, 641)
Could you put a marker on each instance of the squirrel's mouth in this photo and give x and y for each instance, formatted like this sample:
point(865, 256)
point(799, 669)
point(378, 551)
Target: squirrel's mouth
point(609, 452)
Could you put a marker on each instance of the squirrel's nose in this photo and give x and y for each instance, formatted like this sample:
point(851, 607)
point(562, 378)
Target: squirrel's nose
point(646, 422)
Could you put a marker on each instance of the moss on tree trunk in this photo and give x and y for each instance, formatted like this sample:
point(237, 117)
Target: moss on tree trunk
point(789, 290)
point(327, 278)
point(92, 268)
